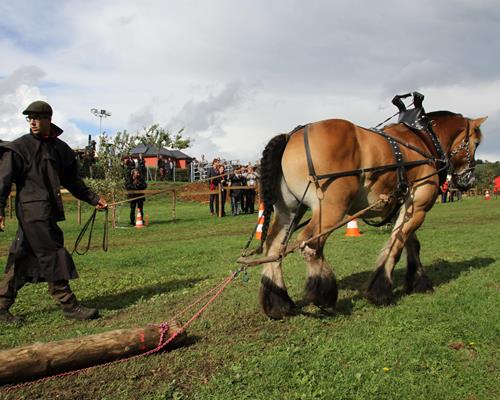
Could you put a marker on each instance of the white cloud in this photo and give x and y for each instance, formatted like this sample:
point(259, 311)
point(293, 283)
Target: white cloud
point(236, 73)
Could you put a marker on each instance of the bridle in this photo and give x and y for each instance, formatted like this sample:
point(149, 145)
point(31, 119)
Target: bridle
point(464, 145)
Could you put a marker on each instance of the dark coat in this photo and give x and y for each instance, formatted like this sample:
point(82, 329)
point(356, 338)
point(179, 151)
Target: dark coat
point(139, 184)
point(39, 168)
point(237, 180)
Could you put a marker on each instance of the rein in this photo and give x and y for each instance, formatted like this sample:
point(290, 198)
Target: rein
point(90, 224)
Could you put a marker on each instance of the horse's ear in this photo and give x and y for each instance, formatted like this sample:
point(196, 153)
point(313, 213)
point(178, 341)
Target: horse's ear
point(478, 121)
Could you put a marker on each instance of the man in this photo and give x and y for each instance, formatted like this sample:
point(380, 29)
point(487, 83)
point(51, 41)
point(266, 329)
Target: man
point(161, 167)
point(38, 163)
point(237, 199)
point(135, 181)
point(212, 184)
point(170, 166)
point(141, 166)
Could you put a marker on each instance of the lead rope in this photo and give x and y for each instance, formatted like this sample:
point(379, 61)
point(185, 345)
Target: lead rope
point(90, 223)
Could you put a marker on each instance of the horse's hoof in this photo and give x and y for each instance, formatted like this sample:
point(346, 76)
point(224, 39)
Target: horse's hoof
point(321, 291)
point(421, 284)
point(379, 291)
point(275, 301)
point(379, 299)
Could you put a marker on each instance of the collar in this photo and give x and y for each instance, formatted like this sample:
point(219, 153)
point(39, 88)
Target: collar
point(55, 131)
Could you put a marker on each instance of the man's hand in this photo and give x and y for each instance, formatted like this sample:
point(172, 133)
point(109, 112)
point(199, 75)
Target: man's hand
point(102, 204)
point(2, 223)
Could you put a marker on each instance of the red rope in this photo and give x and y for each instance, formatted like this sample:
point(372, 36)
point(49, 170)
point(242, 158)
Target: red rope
point(163, 328)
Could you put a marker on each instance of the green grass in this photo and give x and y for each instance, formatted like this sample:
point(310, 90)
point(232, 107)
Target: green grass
point(442, 345)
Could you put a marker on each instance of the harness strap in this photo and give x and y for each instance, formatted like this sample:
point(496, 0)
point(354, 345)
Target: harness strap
point(381, 168)
point(402, 186)
point(310, 164)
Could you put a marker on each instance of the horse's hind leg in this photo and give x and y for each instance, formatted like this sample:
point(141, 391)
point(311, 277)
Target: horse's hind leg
point(321, 285)
point(416, 280)
point(273, 295)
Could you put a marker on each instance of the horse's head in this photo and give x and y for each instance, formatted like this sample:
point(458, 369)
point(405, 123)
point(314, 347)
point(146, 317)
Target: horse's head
point(460, 137)
point(462, 152)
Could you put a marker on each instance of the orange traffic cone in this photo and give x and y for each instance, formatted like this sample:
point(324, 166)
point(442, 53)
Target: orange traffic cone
point(352, 229)
point(138, 220)
point(487, 195)
point(260, 222)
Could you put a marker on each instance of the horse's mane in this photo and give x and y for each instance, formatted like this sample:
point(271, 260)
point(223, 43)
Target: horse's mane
point(442, 113)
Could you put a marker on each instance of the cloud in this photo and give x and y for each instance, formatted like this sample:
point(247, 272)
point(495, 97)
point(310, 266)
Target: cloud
point(235, 73)
point(16, 92)
point(141, 118)
point(203, 119)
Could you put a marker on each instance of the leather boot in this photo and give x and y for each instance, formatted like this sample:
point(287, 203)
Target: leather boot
point(79, 312)
point(7, 318)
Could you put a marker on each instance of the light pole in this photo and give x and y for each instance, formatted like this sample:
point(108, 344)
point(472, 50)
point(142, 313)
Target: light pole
point(100, 114)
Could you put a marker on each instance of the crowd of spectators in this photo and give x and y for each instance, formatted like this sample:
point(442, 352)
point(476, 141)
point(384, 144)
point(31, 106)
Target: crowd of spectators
point(239, 180)
point(223, 177)
point(449, 193)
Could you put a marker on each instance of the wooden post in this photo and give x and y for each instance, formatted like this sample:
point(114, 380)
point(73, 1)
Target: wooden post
point(219, 199)
point(113, 213)
point(174, 204)
point(44, 359)
point(78, 212)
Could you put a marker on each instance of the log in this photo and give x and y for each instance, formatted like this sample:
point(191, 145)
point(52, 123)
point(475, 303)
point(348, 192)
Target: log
point(44, 359)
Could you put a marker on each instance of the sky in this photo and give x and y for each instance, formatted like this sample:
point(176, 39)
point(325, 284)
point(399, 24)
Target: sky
point(234, 73)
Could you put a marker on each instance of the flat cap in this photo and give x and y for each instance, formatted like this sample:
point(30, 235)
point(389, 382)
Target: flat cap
point(38, 107)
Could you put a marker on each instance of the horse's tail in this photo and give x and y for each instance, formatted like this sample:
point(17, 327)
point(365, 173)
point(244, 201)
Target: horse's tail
point(270, 177)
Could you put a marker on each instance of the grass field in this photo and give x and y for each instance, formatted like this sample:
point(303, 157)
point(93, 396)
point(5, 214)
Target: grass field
point(442, 345)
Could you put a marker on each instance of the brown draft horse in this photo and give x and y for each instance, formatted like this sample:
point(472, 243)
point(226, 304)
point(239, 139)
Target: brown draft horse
point(339, 145)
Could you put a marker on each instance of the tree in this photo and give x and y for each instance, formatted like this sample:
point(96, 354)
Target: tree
point(110, 165)
point(485, 173)
point(159, 137)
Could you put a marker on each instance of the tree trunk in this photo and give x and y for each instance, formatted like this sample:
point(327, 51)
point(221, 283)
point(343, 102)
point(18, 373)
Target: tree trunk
point(44, 359)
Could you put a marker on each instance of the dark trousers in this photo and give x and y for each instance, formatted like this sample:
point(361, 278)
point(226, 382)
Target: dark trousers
point(140, 205)
point(59, 290)
point(214, 203)
point(250, 201)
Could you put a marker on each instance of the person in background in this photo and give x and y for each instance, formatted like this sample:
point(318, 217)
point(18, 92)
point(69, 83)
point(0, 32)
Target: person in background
point(170, 168)
point(136, 181)
point(39, 163)
point(161, 168)
point(141, 166)
point(212, 174)
point(223, 182)
point(236, 179)
point(444, 191)
point(129, 164)
point(251, 181)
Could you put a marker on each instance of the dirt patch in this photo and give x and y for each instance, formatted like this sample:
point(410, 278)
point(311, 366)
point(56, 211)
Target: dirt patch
point(196, 191)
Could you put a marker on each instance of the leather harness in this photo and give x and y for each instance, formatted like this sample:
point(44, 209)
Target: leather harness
point(400, 165)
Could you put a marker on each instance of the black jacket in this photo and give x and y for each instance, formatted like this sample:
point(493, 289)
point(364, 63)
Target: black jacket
point(39, 168)
point(139, 184)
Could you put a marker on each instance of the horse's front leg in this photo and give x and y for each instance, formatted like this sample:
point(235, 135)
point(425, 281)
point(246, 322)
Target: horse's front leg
point(416, 280)
point(380, 286)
